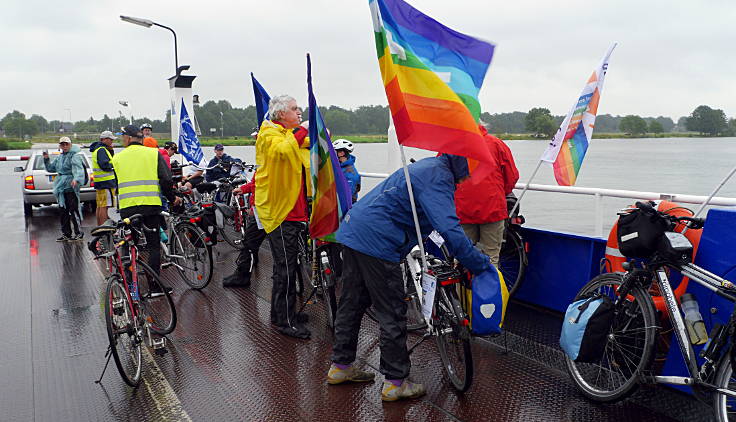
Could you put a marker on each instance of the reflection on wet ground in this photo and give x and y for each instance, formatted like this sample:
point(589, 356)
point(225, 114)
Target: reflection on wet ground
point(225, 362)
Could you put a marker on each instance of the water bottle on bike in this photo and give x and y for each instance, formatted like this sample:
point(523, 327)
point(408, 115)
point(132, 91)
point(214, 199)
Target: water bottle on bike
point(693, 320)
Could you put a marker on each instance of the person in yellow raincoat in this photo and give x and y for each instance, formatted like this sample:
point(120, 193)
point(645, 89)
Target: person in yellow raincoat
point(282, 157)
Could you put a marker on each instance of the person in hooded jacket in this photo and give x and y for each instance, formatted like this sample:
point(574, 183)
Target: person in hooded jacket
point(104, 175)
point(216, 173)
point(377, 233)
point(70, 168)
point(481, 204)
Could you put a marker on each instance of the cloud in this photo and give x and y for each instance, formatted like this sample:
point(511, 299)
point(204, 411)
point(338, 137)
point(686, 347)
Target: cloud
point(672, 56)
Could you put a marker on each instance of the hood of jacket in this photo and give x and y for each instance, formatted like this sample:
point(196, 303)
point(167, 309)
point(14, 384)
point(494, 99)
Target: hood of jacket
point(458, 166)
point(95, 145)
point(349, 162)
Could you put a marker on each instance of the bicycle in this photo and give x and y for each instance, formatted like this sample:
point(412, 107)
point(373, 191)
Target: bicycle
point(133, 311)
point(411, 271)
point(187, 249)
point(449, 323)
point(323, 281)
point(631, 342)
point(512, 260)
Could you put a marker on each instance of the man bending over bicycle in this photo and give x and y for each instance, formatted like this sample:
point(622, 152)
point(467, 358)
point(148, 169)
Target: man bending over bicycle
point(377, 232)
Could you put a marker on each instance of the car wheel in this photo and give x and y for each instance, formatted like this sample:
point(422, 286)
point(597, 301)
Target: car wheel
point(90, 206)
point(27, 209)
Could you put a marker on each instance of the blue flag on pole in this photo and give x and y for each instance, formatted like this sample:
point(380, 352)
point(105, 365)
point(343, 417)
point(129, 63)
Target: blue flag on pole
point(262, 99)
point(188, 142)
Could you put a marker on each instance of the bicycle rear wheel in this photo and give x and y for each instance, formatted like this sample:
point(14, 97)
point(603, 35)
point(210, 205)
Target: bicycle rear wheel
point(328, 282)
point(512, 260)
point(158, 307)
point(629, 347)
point(192, 256)
point(725, 406)
point(122, 331)
point(453, 339)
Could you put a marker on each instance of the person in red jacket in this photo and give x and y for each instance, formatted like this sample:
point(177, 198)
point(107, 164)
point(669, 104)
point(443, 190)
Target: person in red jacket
point(481, 204)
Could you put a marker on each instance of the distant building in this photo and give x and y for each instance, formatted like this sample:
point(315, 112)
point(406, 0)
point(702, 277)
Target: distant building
point(66, 127)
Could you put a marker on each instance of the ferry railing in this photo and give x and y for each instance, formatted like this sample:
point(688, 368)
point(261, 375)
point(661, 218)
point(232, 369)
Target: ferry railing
point(599, 193)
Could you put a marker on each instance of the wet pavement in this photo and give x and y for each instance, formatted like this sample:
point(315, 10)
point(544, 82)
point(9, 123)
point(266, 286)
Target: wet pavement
point(225, 362)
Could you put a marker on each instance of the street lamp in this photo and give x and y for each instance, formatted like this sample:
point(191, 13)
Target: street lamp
point(222, 127)
point(126, 104)
point(148, 23)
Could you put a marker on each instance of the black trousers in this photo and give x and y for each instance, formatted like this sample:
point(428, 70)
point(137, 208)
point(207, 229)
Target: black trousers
point(70, 215)
point(254, 237)
point(153, 238)
point(367, 281)
point(284, 242)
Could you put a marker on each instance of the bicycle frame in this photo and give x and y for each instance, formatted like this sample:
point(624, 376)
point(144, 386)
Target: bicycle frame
point(718, 285)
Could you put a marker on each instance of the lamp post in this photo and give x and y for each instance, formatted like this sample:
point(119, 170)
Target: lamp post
point(222, 127)
point(127, 105)
point(148, 23)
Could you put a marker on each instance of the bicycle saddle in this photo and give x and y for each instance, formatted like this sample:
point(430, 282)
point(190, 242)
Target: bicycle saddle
point(206, 187)
point(106, 227)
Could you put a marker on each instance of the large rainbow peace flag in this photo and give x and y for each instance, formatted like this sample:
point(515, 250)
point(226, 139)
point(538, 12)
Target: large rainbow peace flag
point(332, 196)
point(432, 76)
point(570, 143)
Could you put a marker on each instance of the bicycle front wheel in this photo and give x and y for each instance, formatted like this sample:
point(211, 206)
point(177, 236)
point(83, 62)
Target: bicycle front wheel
point(328, 282)
point(156, 302)
point(233, 230)
point(629, 345)
point(122, 331)
point(191, 255)
point(512, 260)
point(725, 406)
point(453, 339)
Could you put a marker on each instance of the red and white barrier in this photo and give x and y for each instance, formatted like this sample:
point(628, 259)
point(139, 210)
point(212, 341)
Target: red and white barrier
point(15, 158)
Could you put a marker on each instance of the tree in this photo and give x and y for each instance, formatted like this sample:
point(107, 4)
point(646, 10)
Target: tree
point(16, 124)
point(655, 127)
point(706, 120)
point(540, 122)
point(633, 125)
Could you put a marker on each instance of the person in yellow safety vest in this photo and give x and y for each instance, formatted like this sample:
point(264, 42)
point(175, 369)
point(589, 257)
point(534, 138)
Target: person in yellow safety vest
point(103, 175)
point(141, 174)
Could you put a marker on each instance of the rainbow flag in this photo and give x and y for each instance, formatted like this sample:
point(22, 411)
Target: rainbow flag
point(332, 196)
point(570, 143)
point(432, 76)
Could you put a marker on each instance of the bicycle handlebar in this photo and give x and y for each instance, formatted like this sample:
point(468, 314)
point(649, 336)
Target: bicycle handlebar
point(692, 222)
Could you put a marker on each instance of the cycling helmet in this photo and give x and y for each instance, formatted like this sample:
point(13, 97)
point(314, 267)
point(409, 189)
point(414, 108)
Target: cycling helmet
point(146, 126)
point(172, 146)
point(339, 144)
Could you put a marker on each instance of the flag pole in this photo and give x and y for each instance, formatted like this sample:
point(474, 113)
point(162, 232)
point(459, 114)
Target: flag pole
point(712, 194)
point(526, 188)
point(413, 209)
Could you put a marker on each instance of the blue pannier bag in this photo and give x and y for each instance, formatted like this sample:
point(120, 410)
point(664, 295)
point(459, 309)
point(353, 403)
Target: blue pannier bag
point(489, 297)
point(586, 325)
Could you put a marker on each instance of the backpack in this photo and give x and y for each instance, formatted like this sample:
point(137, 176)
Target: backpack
point(586, 325)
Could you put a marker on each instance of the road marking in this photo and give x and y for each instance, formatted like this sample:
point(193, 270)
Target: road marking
point(167, 402)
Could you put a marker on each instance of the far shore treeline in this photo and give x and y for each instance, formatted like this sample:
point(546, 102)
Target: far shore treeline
point(218, 120)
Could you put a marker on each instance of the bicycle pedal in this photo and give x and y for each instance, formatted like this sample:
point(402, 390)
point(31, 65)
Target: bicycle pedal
point(158, 343)
point(161, 351)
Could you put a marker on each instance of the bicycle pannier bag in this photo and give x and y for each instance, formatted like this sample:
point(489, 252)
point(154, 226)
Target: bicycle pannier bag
point(639, 233)
point(585, 328)
point(488, 299)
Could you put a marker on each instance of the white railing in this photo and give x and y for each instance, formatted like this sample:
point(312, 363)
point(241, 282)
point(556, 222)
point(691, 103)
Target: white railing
point(598, 194)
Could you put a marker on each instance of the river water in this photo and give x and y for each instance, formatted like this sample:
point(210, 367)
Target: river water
point(667, 165)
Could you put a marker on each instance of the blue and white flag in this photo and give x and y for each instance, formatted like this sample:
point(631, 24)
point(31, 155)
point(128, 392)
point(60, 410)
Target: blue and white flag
point(188, 142)
point(262, 99)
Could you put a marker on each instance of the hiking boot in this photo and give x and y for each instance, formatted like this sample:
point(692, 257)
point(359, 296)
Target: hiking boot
point(236, 280)
point(350, 374)
point(64, 238)
point(78, 236)
point(296, 332)
point(407, 390)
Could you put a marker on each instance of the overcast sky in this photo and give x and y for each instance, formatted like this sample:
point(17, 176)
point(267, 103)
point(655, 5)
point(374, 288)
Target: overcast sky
point(77, 57)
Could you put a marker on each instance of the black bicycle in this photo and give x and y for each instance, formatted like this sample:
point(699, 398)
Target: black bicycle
point(512, 260)
point(631, 342)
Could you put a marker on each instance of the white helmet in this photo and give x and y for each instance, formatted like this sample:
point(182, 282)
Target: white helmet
point(343, 144)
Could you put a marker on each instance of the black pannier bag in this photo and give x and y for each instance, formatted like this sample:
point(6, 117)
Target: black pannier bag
point(586, 327)
point(640, 231)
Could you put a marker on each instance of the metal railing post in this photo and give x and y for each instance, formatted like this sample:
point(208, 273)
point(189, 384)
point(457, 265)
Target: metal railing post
point(598, 215)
